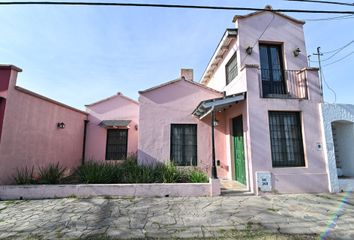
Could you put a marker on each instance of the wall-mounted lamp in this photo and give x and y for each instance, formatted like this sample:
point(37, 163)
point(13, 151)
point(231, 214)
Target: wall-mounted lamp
point(249, 50)
point(61, 125)
point(296, 52)
point(216, 123)
point(136, 127)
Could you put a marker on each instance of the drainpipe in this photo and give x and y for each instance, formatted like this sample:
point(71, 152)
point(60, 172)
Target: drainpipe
point(84, 142)
point(213, 168)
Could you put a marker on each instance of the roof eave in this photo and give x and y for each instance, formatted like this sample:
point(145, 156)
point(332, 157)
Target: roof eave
point(219, 52)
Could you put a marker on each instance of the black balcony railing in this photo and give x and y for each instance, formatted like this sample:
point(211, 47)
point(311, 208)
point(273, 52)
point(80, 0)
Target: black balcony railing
point(278, 83)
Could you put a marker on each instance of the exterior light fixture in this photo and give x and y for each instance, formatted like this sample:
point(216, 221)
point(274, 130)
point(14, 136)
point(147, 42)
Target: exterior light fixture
point(216, 123)
point(296, 52)
point(249, 50)
point(61, 125)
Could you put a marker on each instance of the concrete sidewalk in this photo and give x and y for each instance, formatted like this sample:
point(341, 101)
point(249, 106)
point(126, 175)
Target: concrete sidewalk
point(301, 216)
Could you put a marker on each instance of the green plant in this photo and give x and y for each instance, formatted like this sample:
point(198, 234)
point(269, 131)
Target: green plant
point(131, 172)
point(24, 176)
point(197, 176)
point(51, 174)
point(169, 173)
point(95, 172)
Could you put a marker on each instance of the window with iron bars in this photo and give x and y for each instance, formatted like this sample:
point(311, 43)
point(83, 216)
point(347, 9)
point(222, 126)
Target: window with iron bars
point(184, 144)
point(286, 139)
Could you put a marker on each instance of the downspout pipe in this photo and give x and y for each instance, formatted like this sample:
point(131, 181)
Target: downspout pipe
point(213, 168)
point(84, 142)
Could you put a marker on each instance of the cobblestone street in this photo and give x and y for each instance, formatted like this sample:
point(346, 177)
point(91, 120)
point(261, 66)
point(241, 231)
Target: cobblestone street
point(301, 216)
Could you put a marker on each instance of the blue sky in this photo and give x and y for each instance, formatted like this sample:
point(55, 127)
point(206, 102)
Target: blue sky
point(78, 55)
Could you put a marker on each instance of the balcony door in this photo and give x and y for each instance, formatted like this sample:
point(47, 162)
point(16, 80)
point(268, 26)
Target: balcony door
point(272, 71)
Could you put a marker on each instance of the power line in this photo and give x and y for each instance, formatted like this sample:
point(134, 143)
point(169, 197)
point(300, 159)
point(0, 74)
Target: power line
point(172, 6)
point(341, 59)
point(341, 48)
point(327, 85)
point(337, 51)
point(323, 2)
point(349, 16)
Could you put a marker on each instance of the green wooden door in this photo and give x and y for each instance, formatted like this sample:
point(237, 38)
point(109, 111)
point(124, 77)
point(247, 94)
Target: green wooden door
point(239, 155)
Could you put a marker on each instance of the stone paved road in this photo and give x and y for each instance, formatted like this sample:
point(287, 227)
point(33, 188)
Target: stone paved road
point(302, 216)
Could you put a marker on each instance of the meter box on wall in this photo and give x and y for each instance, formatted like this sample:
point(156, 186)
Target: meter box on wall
point(264, 181)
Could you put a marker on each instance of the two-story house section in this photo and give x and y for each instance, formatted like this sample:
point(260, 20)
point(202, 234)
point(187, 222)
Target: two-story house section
point(271, 109)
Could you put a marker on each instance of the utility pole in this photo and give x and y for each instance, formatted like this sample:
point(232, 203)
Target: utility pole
point(213, 168)
point(309, 60)
point(319, 54)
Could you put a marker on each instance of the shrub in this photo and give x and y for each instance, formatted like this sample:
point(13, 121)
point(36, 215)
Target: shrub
point(51, 174)
point(95, 172)
point(169, 173)
point(130, 172)
point(24, 176)
point(197, 176)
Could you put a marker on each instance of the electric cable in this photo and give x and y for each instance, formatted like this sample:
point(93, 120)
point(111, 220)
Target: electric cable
point(121, 4)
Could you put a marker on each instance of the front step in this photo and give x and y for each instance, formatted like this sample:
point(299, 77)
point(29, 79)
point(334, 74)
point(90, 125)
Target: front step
point(230, 193)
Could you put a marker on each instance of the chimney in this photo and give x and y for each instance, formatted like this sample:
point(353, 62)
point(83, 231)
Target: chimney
point(187, 74)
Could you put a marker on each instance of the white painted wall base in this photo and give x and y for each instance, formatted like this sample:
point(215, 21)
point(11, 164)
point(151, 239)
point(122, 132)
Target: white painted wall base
point(212, 188)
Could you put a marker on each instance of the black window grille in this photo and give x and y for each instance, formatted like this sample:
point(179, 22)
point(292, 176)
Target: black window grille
point(286, 139)
point(231, 69)
point(117, 143)
point(184, 144)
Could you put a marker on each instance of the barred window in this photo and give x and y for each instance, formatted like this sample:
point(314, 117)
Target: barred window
point(184, 144)
point(117, 143)
point(231, 69)
point(286, 139)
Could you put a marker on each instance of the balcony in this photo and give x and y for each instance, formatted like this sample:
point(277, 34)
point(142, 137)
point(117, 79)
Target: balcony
point(277, 83)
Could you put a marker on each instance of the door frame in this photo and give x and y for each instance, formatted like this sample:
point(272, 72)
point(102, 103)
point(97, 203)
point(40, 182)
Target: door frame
point(233, 152)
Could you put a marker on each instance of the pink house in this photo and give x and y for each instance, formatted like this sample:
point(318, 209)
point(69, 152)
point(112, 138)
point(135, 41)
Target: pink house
point(273, 137)
point(112, 130)
point(35, 130)
point(254, 118)
point(168, 130)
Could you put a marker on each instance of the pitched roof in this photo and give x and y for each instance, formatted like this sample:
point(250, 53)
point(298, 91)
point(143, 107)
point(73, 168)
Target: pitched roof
point(268, 8)
point(177, 80)
point(119, 94)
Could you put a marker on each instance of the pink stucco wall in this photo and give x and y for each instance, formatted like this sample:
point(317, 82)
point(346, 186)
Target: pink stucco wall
point(174, 103)
point(118, 107)
point(30, 136)
point(295, 179)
